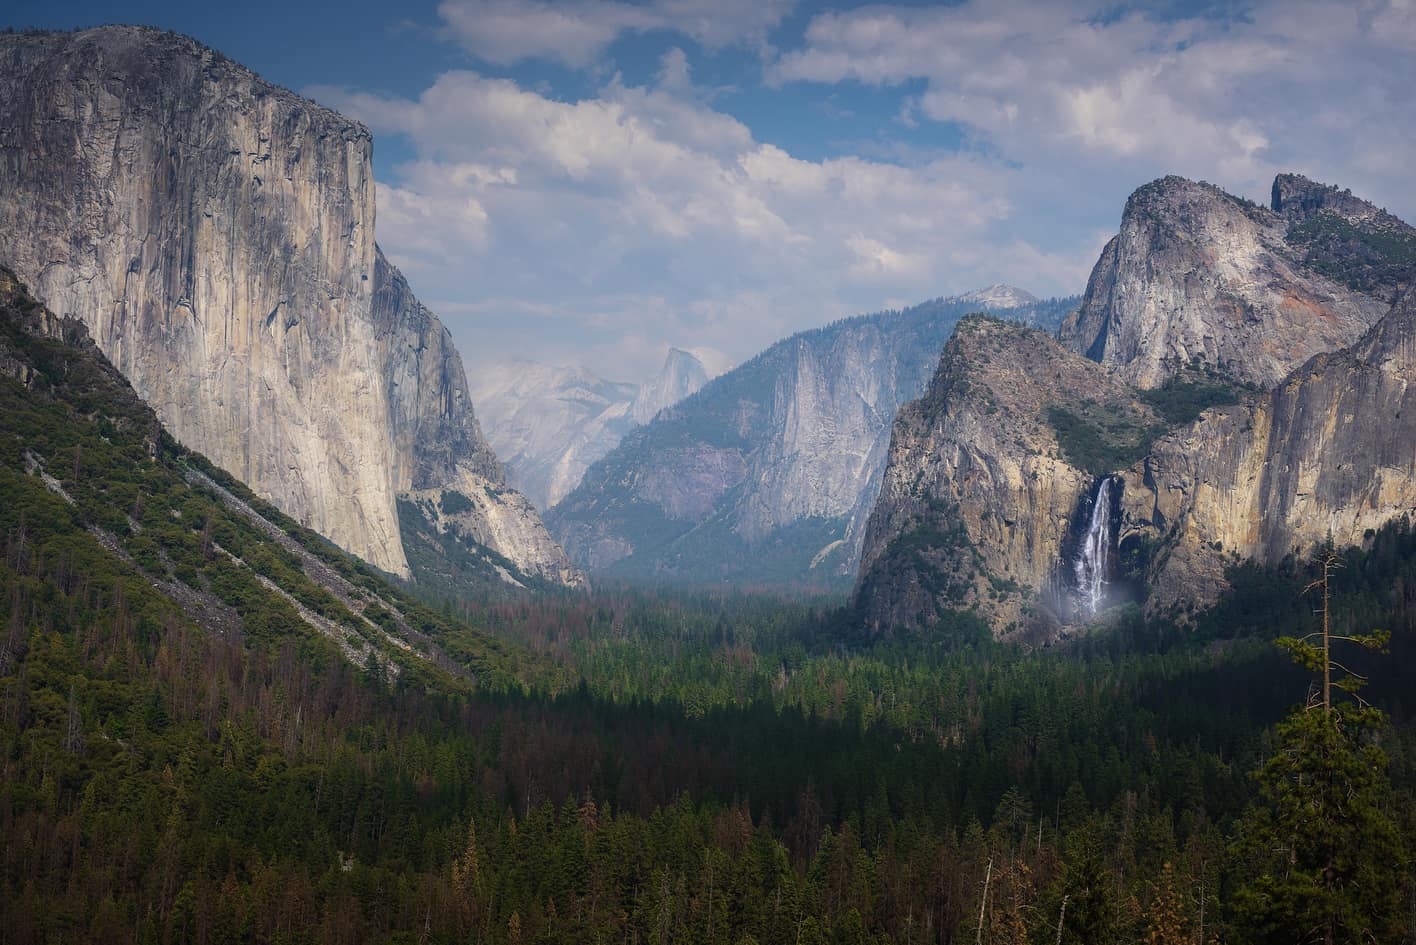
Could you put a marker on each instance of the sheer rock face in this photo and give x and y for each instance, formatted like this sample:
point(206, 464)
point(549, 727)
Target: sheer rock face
point(681, 375)
point(1199, 277)
point(438, 443)
point(977, 498)
point(1329, 452)
point(775, 465)
point(977, 494)
point(430, 411)
point(216, 235)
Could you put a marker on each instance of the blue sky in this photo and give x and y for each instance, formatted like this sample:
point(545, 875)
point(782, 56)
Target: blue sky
point(592, 181)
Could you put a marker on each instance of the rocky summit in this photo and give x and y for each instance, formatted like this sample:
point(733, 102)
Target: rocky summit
point(1200, 278)
point(216, 235)
point(1234, 386)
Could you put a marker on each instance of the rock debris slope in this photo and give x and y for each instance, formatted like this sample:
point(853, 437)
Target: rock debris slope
point(216, 235)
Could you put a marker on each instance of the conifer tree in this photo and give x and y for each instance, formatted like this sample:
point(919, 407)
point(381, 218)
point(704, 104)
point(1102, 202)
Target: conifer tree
point(1321, 848)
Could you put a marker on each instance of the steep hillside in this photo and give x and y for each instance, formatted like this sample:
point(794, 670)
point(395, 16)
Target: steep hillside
point(768, 473)
point(93, 487)
point(216, 235)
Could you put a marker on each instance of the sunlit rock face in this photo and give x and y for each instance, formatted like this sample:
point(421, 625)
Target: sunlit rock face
point(216, 234)
point(991, 498)
point(978, 507)
point(1200, 278)
point(1331, 451)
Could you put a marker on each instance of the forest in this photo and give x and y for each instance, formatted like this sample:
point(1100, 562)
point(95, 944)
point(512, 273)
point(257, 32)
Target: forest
point(647, 765)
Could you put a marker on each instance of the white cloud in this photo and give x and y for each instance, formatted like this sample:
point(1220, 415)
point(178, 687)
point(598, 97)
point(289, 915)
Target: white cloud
point(602, 229)
point(577, 32)
point(643, 217)
point(1051, 84)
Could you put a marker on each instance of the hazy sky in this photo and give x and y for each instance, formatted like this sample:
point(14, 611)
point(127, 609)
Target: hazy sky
point(592, 180)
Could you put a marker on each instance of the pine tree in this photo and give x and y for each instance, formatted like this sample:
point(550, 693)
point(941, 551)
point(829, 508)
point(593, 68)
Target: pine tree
point(1165, 919)
point(1323, 852)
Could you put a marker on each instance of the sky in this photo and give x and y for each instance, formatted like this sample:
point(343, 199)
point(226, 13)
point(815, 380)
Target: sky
point(592, 181)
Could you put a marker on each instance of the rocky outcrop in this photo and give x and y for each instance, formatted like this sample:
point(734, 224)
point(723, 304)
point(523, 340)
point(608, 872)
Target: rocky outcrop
point(438, 443)
point(1345, 237)
point(768, 473)
point(1037, 486)
point(982, 488)
point(1199, 278)
point(681, 375)
point(216, 235)
point(1329, 453)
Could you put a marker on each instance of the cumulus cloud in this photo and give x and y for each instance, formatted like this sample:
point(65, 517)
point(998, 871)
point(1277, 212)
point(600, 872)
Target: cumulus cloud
point(642, 216)
point(577, 32)
point(602, 228)
point(1287, 83)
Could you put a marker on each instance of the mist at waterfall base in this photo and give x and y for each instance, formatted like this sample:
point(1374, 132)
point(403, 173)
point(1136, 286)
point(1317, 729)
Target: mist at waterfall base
point(1086, 579)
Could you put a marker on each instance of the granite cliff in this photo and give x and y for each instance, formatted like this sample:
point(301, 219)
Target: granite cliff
point(981, 491)
point(1200, 278)
point(1328, 453)
point(768, 473)
point(1215, 398)
point(216, 235)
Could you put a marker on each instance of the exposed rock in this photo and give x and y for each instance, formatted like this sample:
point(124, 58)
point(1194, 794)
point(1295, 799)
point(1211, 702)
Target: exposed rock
point(997, 472)
point(768, 473)
point(473, 507)
point(979, 493)
point(438, 442)
point(549, 424)
point(1331, 452)
point(681, 375)
point(998, 297)
point(216, 235)
point(434, 430)
point(1198, 277)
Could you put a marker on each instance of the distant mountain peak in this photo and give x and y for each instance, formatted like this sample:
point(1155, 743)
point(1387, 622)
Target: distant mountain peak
point(998, 296)
point(682, 374)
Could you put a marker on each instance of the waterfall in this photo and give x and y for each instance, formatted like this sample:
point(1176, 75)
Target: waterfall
point(1092, 565)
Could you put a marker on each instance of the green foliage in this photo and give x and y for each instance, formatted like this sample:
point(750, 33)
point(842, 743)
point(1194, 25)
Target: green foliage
point(1181, 401)
point(730, 768)
point(1101, 438)
point(1321, 847)
point(455, 503)
point(1369, 258)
